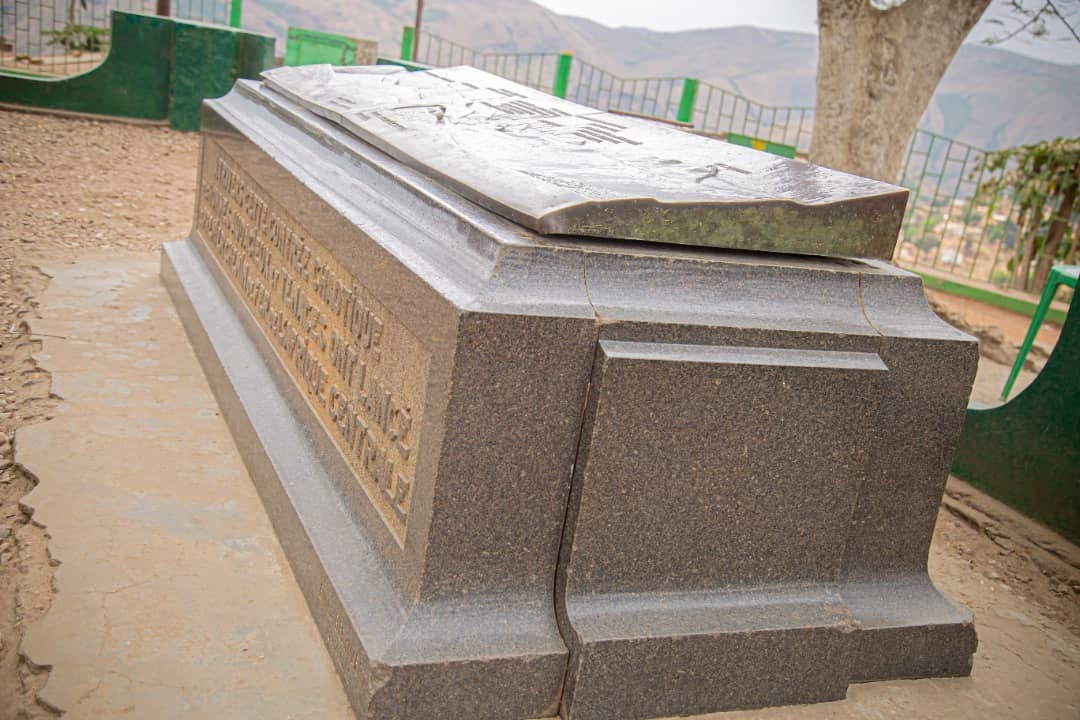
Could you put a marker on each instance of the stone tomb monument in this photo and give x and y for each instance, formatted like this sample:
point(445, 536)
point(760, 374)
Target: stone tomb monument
point(558, 412)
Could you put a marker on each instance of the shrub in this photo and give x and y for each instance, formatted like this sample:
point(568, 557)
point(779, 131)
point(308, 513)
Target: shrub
point(80, 38)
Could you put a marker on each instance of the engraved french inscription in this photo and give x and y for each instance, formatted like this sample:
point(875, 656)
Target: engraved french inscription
point(360, 369)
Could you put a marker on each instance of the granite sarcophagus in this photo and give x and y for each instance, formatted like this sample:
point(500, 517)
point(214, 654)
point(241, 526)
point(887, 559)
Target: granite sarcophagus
point(558, 412)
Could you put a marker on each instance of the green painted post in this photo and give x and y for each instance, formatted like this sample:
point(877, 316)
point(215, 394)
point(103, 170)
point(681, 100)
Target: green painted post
point(236, 11)
point(689, 97)
point(768, 146)
point(1068, 275)
point(408, 43)
point(562, 75)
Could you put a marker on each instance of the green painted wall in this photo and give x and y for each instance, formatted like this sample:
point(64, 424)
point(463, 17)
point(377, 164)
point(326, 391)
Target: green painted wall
point(157, 69)
point(311, 47)
point(1026, 452)
point(206, 63)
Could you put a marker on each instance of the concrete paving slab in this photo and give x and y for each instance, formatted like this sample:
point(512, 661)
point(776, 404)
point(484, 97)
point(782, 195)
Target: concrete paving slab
point(174, 599)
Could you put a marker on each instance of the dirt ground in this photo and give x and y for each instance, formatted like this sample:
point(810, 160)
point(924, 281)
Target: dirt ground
point(1013, 326)
point(68, 184)
point(64, 185)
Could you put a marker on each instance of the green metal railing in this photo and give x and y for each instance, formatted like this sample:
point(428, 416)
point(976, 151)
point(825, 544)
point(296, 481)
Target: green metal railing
point(960, 221)
point(536, 70)
point(947, 221)
point(722, 112)
point(64, 37)
point(710, 109)
point(593, 86)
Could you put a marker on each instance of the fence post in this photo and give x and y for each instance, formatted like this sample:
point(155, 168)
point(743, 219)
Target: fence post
point(163, 8)
point(236, 10)
point(562, 75)
point(408, 43)
point(689, 97)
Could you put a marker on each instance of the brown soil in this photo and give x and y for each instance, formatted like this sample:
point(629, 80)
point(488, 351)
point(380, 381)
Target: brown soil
point(64, 184)
point(67, 184)
point(58, 65)
point(1013, 325)
point(1015, 554)
point(1000, 332)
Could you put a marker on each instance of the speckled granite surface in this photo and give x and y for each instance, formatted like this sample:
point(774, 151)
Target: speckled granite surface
point(521, 475)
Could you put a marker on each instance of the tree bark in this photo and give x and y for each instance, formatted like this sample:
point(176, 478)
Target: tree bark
point(1074, 247)
point(877, 70)
point(1021, 235)
point(1056, 233)
point(1031, 234)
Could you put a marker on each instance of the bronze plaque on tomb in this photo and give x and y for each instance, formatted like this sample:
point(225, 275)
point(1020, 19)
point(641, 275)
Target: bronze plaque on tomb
point(560, 168)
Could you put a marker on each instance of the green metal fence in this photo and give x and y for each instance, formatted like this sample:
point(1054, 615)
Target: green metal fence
point(593, 86)
point(536, 70)
point(711, 109)
point(961, 222)
point(722, 112)
point(948, 226)
point(65, 37)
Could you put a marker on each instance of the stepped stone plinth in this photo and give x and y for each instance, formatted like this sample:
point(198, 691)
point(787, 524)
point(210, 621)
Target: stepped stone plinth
point(561, 412)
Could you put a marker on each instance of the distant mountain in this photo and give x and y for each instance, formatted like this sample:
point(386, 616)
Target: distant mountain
point(989, 97)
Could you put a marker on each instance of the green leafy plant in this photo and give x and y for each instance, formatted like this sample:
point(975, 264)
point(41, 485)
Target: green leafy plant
point(1045, 180)
point(80, 38)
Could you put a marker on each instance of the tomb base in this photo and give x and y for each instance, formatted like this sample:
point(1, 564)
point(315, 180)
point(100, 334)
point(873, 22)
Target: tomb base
point(520, 475)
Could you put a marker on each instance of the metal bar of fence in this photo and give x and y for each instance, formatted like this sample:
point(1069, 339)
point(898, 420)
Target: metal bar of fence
point(970, 209)
point(910, 209)
point(952, 206)
point(933, 202)
point(562, 75)
point(687, 100)
point(708, 106)
point(1005, 233)
point(926, 162)
point(1019, 230)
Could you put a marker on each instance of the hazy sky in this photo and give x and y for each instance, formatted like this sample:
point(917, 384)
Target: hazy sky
point(799, 15)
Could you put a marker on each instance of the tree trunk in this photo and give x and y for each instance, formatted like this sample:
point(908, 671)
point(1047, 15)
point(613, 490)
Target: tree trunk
point(1031, 234)
point(877, 70)
point(1074, 247)
point(1058, 225)
point(1021, 235)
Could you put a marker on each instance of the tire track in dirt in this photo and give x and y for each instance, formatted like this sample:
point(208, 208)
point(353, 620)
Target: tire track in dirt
point(26, 569)
point(65, 184)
